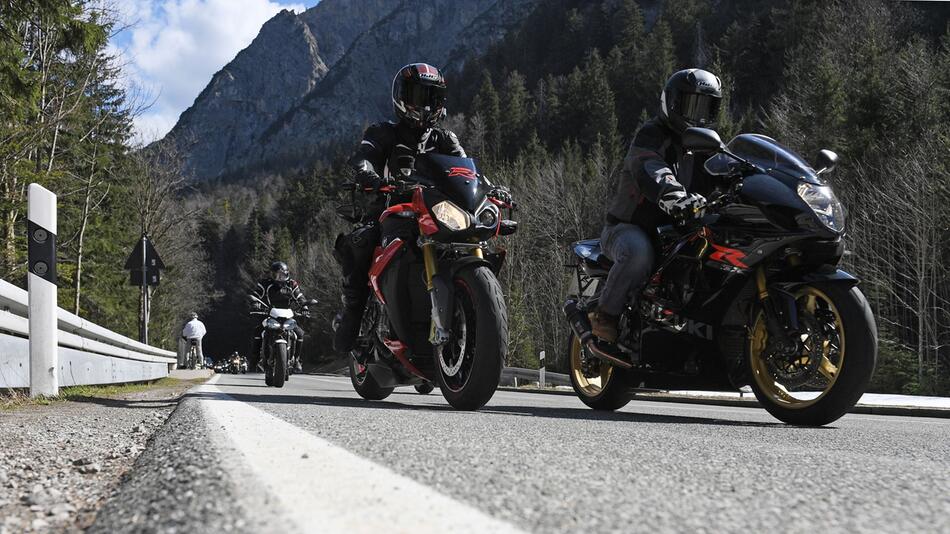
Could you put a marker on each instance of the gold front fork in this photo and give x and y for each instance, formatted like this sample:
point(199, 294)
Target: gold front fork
point(760, 283)
point(428, 256)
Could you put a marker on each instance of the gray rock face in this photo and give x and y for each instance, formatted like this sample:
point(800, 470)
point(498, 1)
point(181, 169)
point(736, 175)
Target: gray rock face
point(279, 67)
point(314, 80)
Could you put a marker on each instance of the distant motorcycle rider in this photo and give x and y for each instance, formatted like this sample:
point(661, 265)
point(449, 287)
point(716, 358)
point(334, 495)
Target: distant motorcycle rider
point(388, 151)
point(278, 291)
point(659, 182)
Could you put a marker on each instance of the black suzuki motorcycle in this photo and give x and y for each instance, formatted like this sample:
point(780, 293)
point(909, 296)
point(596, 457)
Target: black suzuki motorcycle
point(750, 294)
point(436, 313)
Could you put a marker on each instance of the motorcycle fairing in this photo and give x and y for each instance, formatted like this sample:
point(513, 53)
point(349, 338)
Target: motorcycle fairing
point(457, 177)
point(380, 262)
point(399, 350)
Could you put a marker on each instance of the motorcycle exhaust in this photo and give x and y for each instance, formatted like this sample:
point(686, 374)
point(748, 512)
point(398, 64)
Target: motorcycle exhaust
point(581, 327)
point(578, 321)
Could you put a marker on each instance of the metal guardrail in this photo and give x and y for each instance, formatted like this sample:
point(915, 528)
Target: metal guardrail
point(88, 353)
point(509, 374)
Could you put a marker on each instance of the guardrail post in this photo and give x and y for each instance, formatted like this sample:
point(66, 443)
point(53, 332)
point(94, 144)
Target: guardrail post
point(541, 370)
point(41, 280)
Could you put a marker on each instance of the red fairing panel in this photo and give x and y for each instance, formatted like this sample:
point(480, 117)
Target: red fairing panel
point(426, 225)
point(399, 349)
point(396, 208)
point(380, 264)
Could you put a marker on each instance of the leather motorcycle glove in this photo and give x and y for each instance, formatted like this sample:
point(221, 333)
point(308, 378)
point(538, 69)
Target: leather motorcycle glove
point(682, 205)
point(368, 179)
point(502, 194)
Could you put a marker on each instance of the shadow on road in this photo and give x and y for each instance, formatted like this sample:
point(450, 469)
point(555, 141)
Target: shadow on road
point(519, 411)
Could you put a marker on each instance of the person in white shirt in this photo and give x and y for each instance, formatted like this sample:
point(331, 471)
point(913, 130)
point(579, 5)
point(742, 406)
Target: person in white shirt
point(193, 331)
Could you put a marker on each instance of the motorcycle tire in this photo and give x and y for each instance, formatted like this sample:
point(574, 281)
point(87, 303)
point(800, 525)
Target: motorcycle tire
point(278, 373)
point(478, 294)
point(424, 389)
point(856, 364)
point(365, 384)
point(608, 392)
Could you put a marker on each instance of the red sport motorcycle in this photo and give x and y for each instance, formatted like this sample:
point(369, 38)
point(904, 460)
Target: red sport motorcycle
point(436, 313)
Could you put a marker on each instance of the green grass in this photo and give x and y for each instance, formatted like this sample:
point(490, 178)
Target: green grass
point(16, 398)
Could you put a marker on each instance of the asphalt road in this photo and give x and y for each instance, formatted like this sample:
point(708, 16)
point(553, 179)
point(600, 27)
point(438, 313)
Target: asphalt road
point(546, 463)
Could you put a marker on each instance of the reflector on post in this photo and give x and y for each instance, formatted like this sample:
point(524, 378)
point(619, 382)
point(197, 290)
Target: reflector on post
point(41, 284)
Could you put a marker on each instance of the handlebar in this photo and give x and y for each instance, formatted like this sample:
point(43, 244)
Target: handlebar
point(389, 186)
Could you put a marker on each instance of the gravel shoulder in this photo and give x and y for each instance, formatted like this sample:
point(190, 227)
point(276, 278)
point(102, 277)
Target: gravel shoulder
point(61, 461)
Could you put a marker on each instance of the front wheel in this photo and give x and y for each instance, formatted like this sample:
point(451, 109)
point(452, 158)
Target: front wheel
point(277, 370)
point(365, 384)
point(825, 374)
point(596, 383)
point(469, 365)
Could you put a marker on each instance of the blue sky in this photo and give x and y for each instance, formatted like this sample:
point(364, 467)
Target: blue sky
point(171, 48)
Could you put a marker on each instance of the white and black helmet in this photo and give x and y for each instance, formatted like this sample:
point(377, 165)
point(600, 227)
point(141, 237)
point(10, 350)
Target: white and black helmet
point(419, 95)
point(691, 97)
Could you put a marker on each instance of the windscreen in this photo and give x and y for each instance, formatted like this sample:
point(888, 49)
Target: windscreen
point(765, 153)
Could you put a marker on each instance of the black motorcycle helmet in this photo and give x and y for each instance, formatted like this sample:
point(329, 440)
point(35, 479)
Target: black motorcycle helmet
point(419, 95)
point(691, 98)
point(279, 271)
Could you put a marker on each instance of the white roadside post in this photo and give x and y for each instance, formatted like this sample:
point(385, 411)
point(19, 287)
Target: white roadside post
point(541, 370)
point(41, 284)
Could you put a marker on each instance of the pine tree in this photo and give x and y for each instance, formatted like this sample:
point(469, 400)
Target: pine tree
point(516, 114)
point(488, 106)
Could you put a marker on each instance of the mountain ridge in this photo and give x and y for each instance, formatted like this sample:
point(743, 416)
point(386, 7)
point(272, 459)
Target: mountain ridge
point(250, 124)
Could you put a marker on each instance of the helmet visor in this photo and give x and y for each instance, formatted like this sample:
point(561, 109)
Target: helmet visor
point(281, 275)
point(419, 96)
point(698, 110)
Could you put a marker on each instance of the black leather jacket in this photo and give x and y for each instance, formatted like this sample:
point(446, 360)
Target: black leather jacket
point(387, 147)
point(655, 164)
point(277, 294)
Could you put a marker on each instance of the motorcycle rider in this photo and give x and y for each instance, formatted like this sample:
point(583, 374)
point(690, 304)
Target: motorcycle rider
point(278, 291)
point(388, 150)
point(192, 332)
point(659, 182)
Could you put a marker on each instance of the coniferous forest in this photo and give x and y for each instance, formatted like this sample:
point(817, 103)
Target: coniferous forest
point(549, 111)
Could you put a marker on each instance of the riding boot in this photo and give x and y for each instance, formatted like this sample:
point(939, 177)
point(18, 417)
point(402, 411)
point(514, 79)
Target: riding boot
point(348, 322)
point(603, 325)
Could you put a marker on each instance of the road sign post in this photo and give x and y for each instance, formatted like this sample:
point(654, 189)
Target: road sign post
point(541, 370)
point(41, 284)
point(144, 266)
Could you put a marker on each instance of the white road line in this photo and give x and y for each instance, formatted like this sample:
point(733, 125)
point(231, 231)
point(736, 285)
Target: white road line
point(328, 489)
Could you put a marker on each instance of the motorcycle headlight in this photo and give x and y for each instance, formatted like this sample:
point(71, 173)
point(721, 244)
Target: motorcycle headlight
point(270, 322)
point(451, 216)
point(822, 200)
point(290, 324)
point(488, 217)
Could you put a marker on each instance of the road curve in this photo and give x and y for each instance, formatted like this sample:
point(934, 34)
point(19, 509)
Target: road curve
point(292, 458)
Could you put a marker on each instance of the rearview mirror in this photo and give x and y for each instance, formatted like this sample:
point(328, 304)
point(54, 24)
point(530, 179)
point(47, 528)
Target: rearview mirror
point(701, 140)
point(826, 161)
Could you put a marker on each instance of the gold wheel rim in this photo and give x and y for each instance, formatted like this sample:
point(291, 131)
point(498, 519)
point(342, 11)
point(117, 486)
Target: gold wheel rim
point(589, 386)
point(828, 368)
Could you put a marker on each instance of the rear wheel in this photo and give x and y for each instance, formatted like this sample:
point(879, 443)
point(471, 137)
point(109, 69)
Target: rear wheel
point(826, 374)
point(469, 366)
point(597, 384)
point(365, 384)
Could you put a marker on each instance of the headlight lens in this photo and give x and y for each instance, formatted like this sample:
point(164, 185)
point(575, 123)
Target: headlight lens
point(821, 199)
point(487, 217)
point(451, 216)
point(270, 322)
point(290, 324)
